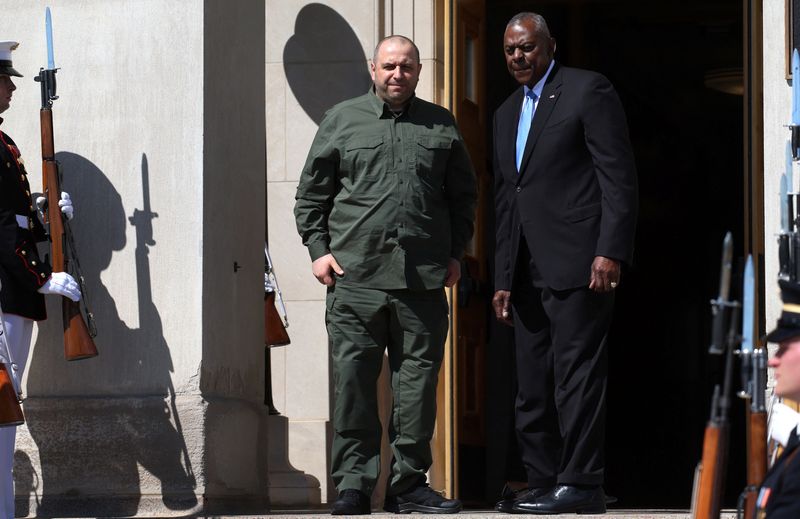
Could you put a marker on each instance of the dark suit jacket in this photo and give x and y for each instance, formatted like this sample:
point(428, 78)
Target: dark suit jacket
point(576, 196)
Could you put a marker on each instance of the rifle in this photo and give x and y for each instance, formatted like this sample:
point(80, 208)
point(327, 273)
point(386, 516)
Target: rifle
point(710, 472)
point(78, 343)
point(753, 366)
point(787, 238)
point(10, 393)
point(275, 318)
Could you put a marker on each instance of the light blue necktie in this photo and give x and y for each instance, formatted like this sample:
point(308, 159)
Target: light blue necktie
point(524, 125)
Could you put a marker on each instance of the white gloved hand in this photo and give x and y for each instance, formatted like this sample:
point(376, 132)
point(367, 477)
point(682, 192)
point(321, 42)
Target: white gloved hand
point(782, 422)
point(61, 283)
point(65, 204)
point(41, 201)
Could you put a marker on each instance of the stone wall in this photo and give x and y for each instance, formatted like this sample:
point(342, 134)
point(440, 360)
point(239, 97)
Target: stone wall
point(160, 128)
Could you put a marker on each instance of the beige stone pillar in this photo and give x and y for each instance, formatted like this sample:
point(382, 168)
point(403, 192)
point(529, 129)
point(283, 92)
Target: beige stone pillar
point(160, 127)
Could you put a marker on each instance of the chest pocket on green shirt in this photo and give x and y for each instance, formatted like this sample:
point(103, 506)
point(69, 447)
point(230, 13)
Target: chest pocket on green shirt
point(364, 157)
point(432, 154)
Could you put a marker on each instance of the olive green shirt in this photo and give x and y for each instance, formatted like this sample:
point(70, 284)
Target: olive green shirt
point(392, 197)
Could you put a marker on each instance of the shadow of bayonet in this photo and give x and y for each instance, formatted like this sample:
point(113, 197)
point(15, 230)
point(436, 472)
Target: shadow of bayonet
point(142, 220)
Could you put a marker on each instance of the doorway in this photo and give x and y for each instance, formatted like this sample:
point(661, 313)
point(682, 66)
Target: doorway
point(688, 144)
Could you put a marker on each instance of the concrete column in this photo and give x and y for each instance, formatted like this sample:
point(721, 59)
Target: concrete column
point(777, 114)
point(160, 128)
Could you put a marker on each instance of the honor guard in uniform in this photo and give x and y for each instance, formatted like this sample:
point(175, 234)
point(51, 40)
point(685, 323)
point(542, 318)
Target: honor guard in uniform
point(779, 495)
point(24, 277)
point(385, 206)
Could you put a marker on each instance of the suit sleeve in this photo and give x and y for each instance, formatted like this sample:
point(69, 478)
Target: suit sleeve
point(316, 191)
point(462, 194)
point(608, 141)
point(502, 260)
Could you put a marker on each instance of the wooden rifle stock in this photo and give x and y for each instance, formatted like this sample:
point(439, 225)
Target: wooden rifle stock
point(756, 457)
point(274, 332)
point(707, 502)
point(10, 410)
point(78, 343)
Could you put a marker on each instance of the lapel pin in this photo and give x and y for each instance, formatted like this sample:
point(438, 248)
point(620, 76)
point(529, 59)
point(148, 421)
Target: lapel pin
point(552, 96)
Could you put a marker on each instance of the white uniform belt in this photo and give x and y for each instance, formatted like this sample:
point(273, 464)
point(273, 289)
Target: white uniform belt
point(22, 221)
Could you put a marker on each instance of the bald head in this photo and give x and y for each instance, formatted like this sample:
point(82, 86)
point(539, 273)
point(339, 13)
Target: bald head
point(395, 38)
point(536, 19)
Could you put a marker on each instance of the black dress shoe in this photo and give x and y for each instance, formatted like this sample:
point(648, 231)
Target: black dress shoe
point(565, 499)
point(351, 502)
point(506, 505)
point(421, 499)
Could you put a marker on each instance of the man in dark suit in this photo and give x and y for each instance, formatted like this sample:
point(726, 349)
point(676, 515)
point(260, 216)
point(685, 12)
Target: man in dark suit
point(566, 203)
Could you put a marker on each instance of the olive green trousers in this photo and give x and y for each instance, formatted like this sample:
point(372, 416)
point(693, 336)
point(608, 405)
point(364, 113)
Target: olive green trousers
point(411, 326)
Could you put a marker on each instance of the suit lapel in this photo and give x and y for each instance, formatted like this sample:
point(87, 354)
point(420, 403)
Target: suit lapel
point(550, 94)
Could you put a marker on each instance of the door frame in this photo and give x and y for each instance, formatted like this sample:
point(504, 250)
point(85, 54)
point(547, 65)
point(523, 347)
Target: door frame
point(449, 30)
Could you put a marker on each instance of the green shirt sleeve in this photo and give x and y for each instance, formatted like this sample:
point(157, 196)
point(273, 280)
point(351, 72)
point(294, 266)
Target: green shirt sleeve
point(316, 190)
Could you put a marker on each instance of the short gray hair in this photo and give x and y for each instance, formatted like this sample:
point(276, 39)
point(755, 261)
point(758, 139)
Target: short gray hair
point(541, 25)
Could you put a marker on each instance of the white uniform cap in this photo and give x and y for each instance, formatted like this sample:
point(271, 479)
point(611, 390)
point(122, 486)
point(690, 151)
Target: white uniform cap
point(6, 68)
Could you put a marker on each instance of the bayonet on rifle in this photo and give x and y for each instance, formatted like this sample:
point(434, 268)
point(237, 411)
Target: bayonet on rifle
point(784, 238)
point(748, 315)
point(719, 306)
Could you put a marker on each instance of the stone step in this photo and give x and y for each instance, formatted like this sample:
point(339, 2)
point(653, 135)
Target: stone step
point(479, 514)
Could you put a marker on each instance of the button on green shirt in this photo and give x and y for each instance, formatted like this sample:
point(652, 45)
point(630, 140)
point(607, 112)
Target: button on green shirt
point(392, 197)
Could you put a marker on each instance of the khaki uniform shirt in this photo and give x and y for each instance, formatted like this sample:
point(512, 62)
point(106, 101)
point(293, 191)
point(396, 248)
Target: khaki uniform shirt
point(392, 197)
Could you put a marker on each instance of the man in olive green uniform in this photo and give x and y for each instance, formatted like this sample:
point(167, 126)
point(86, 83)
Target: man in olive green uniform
point(385, 206)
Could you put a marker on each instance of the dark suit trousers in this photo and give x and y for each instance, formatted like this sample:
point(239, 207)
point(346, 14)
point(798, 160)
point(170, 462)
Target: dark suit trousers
point(562, 368)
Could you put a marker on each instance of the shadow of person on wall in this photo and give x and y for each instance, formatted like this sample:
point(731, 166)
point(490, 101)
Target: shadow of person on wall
point(324, 61)
point(95, 446)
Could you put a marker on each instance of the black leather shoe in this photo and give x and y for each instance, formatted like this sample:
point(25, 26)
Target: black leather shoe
point(565, 499)
point(421, 499)
point(351, 502)
point(506, 505)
